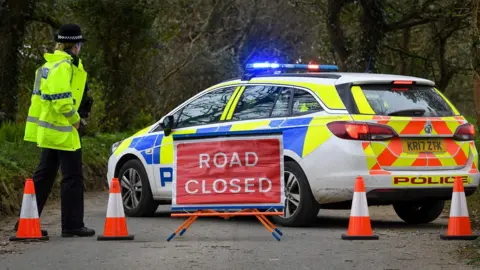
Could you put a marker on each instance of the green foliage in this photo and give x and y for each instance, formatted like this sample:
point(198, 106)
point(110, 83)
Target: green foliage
point(142, 120)
point(10, 132)
point(95, 121)
point(19, 159)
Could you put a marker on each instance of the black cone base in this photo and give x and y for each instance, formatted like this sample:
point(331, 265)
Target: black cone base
point(110, 238)
point(42, 238)
point(458, 237)
point(366, 237)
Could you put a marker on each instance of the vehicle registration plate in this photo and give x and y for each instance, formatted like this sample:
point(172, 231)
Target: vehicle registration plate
point(419, 146)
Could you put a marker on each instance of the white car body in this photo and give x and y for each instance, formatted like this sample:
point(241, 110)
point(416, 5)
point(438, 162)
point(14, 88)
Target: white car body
point(331, 164)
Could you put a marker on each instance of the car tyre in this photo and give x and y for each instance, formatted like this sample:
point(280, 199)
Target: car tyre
point(307, 209)
point(137, 179)
point(419, 212)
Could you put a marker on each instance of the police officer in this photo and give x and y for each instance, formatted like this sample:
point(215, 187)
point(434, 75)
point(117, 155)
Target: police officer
point(53, 122)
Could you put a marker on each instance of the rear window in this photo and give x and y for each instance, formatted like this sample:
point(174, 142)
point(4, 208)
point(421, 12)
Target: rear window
point(416, 101)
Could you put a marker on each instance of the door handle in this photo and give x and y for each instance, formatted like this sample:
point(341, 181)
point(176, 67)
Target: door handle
point(149, 151)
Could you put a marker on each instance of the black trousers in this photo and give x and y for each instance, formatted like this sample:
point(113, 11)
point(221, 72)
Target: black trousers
point(71, 187)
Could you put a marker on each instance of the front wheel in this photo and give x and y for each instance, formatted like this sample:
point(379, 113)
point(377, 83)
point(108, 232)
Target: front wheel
point(135, 190)
point(419, 212)
point(300, 205)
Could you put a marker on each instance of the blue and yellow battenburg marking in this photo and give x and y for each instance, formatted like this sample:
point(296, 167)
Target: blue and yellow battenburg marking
point(301, 136)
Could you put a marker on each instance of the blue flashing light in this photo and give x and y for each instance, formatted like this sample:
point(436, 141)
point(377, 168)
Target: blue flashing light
point(309, 67)
point(260, 65)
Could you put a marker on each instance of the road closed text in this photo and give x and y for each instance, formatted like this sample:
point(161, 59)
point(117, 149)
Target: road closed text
point(247, 185)
point(228, 172)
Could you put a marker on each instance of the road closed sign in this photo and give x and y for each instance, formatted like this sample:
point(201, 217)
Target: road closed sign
point(228, 172)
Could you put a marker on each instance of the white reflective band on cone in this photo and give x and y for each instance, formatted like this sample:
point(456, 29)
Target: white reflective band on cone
point(115, 206)
point(29, 206)
point(459, 205)
point(359, 205)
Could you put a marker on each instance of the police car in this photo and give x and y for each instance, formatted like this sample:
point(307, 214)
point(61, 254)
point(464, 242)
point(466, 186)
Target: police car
point(400, 133)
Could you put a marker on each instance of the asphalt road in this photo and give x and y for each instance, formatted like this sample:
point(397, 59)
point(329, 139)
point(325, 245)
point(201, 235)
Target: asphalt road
point(240, 243)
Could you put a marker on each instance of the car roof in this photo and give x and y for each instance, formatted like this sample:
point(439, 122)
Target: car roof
point(362, 78)
point(336, 78)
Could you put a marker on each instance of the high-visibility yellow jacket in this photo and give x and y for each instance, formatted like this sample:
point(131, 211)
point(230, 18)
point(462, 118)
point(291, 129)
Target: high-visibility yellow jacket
point(56, 97)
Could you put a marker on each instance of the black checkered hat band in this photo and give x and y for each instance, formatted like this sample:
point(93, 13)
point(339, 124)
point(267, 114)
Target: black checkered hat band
point(70, 37)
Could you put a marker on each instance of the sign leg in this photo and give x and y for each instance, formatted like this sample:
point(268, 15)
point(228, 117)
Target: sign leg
point(270, 223)
point(188, 224)
point(179, 228)
point(268, 228)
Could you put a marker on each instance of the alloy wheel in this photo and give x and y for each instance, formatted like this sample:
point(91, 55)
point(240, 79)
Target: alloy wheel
point(131, 188)
point(292, 194)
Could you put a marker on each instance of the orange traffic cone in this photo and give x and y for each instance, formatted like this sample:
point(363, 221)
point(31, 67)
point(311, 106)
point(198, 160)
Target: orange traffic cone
point(29, 223)
point(359, 227)
point(459, 222)
point(115, 223)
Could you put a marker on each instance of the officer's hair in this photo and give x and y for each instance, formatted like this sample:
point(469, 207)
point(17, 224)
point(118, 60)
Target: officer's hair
point(64, 46)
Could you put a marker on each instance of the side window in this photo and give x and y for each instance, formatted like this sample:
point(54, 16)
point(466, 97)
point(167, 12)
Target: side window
point(304, 103)
point(206, 109)
point(282, 105)
point(256, 102)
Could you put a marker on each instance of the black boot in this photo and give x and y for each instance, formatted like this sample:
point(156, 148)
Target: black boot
point(84, 231)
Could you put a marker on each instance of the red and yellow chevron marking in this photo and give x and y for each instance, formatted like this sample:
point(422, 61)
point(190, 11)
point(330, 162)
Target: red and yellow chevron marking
point(415, 125)
point(390, 154)
point(373, 166)
point(473, 150)
point(457, 154)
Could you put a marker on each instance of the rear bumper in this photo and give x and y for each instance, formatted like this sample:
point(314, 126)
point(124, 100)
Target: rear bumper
point(389, 196)
point(332, 168)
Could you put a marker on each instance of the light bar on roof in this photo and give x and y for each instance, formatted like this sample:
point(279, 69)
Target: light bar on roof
point(266, 65)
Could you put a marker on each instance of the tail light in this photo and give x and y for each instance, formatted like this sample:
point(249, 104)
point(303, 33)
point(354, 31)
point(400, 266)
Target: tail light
point(361, 131)
point(465, 132)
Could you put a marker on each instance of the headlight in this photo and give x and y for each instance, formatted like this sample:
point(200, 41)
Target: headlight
point(115, 146)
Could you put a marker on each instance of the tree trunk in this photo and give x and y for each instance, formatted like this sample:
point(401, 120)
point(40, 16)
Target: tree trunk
point(14, 15)
point(476, 57)
point(335, 32)
point(476, 95)
point(404, 67)
point(373, 29)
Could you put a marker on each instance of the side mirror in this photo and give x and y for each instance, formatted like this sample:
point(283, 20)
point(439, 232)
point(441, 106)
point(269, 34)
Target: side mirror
point(167, 125)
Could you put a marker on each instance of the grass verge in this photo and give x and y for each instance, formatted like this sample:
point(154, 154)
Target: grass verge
point(19, 159)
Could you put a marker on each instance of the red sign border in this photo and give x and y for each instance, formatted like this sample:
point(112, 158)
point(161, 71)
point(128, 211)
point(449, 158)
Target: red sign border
point(213, 138)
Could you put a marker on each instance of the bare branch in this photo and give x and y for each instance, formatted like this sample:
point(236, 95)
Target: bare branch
point(406, 53)
point(407, 24)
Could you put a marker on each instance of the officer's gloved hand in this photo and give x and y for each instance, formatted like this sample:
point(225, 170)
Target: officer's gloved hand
point(82, 129)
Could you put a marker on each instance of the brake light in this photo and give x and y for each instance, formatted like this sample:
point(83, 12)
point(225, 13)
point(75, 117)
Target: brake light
point(465, 132)
point(361, 131)
point(403, 82)
point(401, 89)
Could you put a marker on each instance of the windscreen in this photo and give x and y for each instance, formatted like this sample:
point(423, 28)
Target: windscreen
point(421, 101)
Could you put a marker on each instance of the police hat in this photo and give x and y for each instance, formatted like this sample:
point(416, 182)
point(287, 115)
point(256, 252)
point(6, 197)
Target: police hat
point(70, 33)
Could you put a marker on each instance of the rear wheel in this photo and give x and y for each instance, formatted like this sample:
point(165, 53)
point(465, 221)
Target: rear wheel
point(137, 196)
point(419, 212)
point(300, 205)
